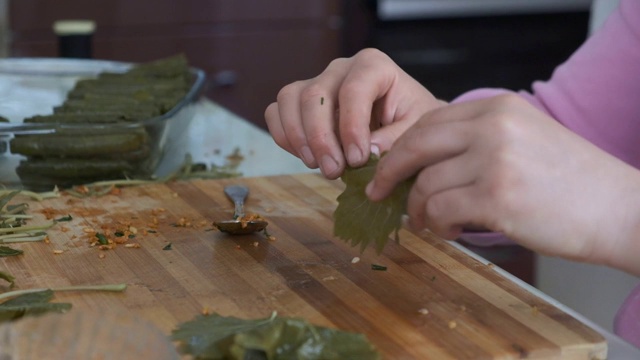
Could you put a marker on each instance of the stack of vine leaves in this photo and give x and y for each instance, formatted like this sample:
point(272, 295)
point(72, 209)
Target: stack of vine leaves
point(100, 130)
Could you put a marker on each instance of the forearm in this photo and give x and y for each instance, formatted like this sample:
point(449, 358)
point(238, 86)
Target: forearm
point(624, 249)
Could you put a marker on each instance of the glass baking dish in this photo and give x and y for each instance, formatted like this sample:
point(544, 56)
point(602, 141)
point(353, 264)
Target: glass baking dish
point(36, 86)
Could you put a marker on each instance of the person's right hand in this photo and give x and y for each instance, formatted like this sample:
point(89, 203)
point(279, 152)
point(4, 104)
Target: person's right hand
point(355, 106)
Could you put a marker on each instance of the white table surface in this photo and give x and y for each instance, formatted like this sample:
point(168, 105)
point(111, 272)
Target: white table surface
point(215, 133)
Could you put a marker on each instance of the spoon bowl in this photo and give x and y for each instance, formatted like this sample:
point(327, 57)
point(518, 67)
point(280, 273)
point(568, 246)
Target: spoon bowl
point(237, 227)
point(241, 224)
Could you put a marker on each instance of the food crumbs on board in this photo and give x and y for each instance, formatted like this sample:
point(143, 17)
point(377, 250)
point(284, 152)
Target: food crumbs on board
point(48, 241)
point(175, 195)
point(271, 238)
point(255, 244)
point(328, 278)
point(206, 311)
point(534, 310)
point(355, 260)
point(88, 230)
point(58, 252)
point(452, 324)
point(132, 245)
point(490, 265)
point(167, 247)
point(423, 311)
point(238, 247)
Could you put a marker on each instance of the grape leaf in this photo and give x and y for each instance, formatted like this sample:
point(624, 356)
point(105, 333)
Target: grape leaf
point(360, 221)
point(30, 304)
point(218, 337)
point(7, 251)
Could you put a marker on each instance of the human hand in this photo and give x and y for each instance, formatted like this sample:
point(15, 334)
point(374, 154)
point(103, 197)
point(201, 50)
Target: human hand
point(502, 165)
point(356, 105)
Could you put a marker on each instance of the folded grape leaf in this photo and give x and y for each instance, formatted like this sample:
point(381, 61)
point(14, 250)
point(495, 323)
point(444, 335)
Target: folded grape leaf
point(218, 337)
point(30, 304)
point(360, 221)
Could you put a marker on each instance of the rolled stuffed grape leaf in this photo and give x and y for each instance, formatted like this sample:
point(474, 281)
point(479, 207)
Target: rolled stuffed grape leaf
point(360, 221)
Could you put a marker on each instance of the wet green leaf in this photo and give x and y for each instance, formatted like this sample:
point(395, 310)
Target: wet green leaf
point(7, 251)
point(218, 337)
point(360, 221)
point(36, 303)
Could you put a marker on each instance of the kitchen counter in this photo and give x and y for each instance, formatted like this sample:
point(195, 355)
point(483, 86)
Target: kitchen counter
point(215, 133)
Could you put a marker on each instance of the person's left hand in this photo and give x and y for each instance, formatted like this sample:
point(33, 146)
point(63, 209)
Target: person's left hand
point(503, 165)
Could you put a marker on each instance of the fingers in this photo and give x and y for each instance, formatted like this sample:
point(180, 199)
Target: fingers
point(447, 212)
point(272, 118)
point(318, 102)
point(370, 79)
point(460, 171)
point(440, 134)
point(418, 148)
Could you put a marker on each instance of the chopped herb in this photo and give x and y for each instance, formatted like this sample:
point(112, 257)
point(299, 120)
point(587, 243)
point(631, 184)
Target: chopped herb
point(378, 267)
point(34, 303)
point(151, 231)
point(37, 301)
point(131, 236)
point(8, 278)
point(64, 218)
point(118, 233)
point(167, 247)
point(433, 278)
point(102, 239)
point(7, 251)
point(322, 101)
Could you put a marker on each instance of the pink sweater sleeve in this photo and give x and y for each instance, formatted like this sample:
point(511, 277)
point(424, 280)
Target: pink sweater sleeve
point(596, 92)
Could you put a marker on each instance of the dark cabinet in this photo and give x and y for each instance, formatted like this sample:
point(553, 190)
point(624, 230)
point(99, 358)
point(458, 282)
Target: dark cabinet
point(249, 49)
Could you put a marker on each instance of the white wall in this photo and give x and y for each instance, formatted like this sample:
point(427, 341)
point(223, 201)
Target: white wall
point(594, 291)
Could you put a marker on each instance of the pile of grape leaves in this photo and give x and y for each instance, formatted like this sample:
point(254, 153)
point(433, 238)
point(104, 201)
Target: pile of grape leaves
point(360, 221)
point(218, 337)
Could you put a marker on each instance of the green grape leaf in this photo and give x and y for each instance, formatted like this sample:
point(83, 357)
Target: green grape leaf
point(30, 304)
point(360, 221)
point(218, 337)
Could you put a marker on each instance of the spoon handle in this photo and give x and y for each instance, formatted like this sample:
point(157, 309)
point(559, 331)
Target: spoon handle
point(237, 194)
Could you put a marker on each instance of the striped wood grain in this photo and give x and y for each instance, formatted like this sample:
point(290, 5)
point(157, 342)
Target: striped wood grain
point(433, 301)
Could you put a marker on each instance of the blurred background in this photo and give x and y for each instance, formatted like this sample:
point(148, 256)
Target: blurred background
point(250, 49)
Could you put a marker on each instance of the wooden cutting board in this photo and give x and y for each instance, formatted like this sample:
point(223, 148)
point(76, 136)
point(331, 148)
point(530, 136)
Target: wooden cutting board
point(432, 302)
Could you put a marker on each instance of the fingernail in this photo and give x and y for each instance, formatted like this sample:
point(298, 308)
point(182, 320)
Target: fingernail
point(369, 189)
point(329, 165)
point(306, 155)
point(375, 150)
point(354, 155)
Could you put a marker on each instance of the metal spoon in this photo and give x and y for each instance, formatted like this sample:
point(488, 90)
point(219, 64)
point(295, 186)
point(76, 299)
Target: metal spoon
point(237, 194)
